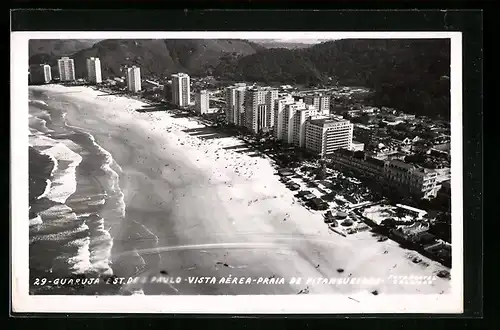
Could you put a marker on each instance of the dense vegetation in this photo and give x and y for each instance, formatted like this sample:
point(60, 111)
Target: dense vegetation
point(156, 57)
point(271, 65)
point(59, 47)
point(410, 75)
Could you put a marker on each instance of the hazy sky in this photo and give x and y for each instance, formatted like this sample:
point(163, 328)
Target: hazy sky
point(304, 41)
point(293, 40)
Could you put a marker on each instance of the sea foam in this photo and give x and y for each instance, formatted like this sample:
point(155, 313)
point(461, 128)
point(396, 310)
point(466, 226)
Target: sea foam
point(88, 250)
point(115, 178)
point(84, 237)
point(107, 167)
point(35, 221)
point(64, 179)
point(38, 102)
point(47, 189)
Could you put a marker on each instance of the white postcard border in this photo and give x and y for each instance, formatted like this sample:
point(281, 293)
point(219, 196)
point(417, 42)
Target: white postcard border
point(262, 304)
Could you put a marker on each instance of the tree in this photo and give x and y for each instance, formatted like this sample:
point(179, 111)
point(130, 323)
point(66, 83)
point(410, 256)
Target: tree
point(321, 170)
point(389, 223)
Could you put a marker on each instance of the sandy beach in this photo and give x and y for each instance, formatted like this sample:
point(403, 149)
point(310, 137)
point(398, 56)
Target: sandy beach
point(196, 206)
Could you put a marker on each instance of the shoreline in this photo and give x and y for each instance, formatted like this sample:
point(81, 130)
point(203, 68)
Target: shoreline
point(170, 165)
point(68, 237)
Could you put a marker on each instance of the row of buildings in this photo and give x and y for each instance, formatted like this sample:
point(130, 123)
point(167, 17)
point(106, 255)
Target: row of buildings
point(395, 174)
point(179, 89)
point(179, 92)
point(66, 66)
point(304, 122)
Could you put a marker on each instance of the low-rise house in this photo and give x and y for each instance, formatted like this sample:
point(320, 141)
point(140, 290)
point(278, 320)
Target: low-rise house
point(412, 211)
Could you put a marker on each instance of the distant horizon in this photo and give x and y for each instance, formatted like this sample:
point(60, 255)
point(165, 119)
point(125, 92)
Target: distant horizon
point(299, 41)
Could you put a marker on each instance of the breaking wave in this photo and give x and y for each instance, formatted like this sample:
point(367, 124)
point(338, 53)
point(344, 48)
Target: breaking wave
point(114, 177)
point(39, 103)
point(68, 233)
point(47, 189)
point(63, 177)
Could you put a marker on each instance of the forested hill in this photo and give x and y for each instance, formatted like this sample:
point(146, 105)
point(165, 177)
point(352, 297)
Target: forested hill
point(59, 47)
point(275, 65)
point(408, 74)
point(156, 57)
point(411, 75)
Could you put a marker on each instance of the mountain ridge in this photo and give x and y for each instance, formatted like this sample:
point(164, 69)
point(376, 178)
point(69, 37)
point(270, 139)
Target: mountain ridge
point(157, 57)
point(59, 47)
point(408, 74)
point(272, 43)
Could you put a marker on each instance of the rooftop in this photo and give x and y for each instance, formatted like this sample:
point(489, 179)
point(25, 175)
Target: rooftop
point(409, 208)
point(402, 164)
point(236, 85)
point(326, 121)
point(408, 166)
point(259, 88)
point(316, 95)
point(239, 86)
point(345, 152)
point(362, 127)
point(375, 161)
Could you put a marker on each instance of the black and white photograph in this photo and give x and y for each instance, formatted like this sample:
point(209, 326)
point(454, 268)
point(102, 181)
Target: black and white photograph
point(238, 173)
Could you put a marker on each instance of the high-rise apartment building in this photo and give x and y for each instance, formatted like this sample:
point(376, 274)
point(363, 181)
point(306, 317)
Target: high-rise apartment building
point(202, 102)
point(279, 112)
point(134, 79)
point(94, 70)
point(321, 102)
point(292, 121)
point(40, 74)
point(66, 67)
point(259, 108)
point(324, 136)
point(181, 89)
point(235, 104)
point(301, 114)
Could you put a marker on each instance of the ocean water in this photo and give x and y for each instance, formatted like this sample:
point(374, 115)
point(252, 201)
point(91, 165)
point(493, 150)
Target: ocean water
point(75, 200)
